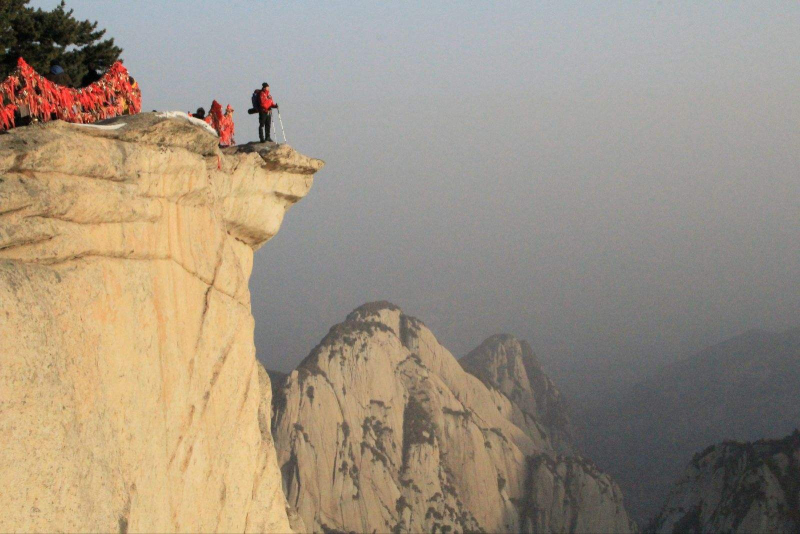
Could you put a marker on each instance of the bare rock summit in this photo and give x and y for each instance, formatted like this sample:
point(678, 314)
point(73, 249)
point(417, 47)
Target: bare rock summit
point(507, 364)
point(380, 429)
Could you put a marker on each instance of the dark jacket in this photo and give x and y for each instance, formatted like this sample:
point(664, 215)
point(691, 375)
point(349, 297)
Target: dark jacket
point(91, 77)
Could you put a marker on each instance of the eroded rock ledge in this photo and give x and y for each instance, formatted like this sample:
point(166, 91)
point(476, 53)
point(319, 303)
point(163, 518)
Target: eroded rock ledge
point(154, 189)
point(129, 389)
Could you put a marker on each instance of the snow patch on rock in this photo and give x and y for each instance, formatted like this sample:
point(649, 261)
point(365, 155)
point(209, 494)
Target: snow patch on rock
point(186, 116)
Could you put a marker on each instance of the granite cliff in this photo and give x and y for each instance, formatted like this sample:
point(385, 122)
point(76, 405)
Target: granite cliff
point(130, 396)
point(509, 365)
point(380, 429)
point(737, 487)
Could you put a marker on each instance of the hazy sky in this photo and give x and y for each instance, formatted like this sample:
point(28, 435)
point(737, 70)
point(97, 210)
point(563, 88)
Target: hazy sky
point(615, 180)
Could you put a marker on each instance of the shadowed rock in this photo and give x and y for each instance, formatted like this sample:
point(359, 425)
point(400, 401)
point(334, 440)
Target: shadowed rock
point(737, 487)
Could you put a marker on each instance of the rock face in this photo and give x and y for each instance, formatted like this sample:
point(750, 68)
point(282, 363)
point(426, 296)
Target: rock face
point(569, 494)
point(130, 397)
point(509, 365)
point(381, 429)
point(737, 487)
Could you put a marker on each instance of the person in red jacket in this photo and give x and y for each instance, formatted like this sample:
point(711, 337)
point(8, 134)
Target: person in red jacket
point(226, 128)
point(265, 106)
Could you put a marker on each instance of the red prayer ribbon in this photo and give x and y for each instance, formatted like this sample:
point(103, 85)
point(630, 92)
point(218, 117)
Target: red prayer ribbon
point(115, 93)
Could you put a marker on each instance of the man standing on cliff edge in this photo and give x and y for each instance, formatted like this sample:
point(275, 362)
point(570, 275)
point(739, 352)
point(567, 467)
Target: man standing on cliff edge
point(265, 105)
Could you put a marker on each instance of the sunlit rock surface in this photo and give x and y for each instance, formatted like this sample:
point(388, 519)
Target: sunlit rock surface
point(381, 429)
point(130, 396)
point(509, 365)
point(569, 494)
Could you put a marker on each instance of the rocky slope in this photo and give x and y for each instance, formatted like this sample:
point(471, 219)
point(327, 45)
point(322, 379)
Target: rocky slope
point(381, 429)
point(508, 365)
point(569, 494)
point(744, 389)
point(130, 397)
point(737, 487)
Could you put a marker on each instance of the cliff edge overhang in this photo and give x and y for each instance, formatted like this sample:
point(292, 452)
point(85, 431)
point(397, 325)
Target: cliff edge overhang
point(131, 396)
point(149, 186)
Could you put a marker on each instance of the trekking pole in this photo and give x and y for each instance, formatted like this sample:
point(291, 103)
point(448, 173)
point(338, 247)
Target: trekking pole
point(272, 127)
point(282, 130)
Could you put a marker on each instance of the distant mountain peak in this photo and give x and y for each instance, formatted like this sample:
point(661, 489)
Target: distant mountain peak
point(746, 388)
point(510, 366)
point(371, 309)
point(381, 429)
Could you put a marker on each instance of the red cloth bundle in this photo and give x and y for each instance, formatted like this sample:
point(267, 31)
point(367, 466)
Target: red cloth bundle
point(116, 93)
point(222, 123)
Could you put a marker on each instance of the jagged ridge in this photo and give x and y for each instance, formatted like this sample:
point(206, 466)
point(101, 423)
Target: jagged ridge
point(380, 428)
point(509, 365)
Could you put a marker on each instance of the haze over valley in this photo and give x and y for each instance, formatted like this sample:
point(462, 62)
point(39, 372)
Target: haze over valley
point(506, 267)
point(609, 181)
